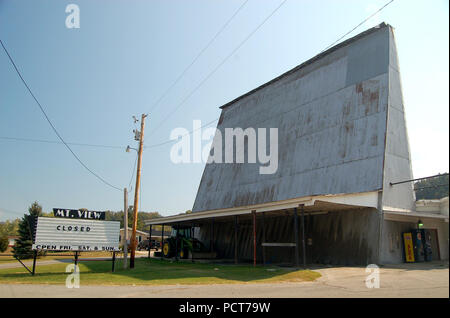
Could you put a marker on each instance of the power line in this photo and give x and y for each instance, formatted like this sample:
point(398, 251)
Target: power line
point(11, 211)
point(173, 140)
point(51, 124)
point(98, 145)
point(251, 34)
point(197, 57)
point(132, 172)
point(219, 65)
point(365, 20)
point(58, 142)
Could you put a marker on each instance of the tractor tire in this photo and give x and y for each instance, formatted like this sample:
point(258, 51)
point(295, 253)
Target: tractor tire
point(166, 250)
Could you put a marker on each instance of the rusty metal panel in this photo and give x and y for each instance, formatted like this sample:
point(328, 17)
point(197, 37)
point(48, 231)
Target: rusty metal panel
point(331, 117)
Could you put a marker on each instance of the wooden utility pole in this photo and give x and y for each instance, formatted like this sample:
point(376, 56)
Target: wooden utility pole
point(125, 228)
point(136, 191)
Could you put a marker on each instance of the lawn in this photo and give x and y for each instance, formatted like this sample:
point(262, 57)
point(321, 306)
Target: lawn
point(59, 255)
point(158, 272)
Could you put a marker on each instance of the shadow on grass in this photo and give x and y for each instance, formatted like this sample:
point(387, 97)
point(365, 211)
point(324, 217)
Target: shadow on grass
point(166, 270)
point(159, 272)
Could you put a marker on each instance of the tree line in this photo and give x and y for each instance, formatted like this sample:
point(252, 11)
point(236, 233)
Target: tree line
point(432, 188)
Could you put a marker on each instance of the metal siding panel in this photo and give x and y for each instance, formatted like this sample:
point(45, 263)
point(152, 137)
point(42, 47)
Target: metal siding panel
point(331, 127)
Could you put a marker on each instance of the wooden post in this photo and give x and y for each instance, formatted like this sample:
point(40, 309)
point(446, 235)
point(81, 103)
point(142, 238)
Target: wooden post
point(76, 262)
point(211, 241)
point(235, 239)
point(136, 192)
point(113, 261)
point(263, 238)
point(176, 242)
point(296, 237)
point(150, 241)
point(34, 262)
point(254, 237)
point(125, 228)
point(302, 209)
point(192, 236)
point(162, 242)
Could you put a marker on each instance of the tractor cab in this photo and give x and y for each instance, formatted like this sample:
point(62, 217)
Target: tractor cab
point(181, 243)
point(185, 232)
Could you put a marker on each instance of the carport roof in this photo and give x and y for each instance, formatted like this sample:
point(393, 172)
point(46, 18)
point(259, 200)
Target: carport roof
point(312, 204)
point(413, 216)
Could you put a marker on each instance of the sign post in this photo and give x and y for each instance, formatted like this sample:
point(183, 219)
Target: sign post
point(125, 228)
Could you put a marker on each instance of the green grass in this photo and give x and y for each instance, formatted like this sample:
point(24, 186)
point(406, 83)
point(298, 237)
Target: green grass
point(59, 255)
point(157, 272)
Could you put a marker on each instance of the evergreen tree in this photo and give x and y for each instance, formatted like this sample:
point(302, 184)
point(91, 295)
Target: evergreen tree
point(22, 247)
point(3, 243)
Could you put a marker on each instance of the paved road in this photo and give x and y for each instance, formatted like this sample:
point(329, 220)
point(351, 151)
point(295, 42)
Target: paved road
point(406, 280)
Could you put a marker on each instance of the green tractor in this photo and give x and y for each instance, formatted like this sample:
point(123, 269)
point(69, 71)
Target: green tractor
point(181, 242)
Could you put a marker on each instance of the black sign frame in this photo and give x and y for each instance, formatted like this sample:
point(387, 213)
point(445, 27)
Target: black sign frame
point(79, 214)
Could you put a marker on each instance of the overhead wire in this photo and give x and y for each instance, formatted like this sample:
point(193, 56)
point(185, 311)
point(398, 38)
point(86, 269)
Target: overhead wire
point(51, 124)
point(174, 140)
point(59, 142)
point(219, 65)
point(361, 23)
point(3, 210)
point(243, 42)
point(99, 145)
point(133, 172)
point(198, 56)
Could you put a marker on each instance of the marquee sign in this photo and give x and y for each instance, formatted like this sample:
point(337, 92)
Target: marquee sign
point(79, 214)
point(71, 234)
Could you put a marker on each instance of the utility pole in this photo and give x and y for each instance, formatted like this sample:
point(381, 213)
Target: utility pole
point(125, 228)
point(136, 191)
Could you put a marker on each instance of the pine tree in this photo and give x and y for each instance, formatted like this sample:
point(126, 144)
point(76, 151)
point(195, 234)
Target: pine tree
point(3, 243)
point(22, 247)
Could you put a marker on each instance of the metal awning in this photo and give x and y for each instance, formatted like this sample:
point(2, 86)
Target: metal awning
point(413, 216)
point(312, 204)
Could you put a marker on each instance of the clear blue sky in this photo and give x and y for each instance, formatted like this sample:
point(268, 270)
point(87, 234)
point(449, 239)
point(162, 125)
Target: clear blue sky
point(126, 53)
